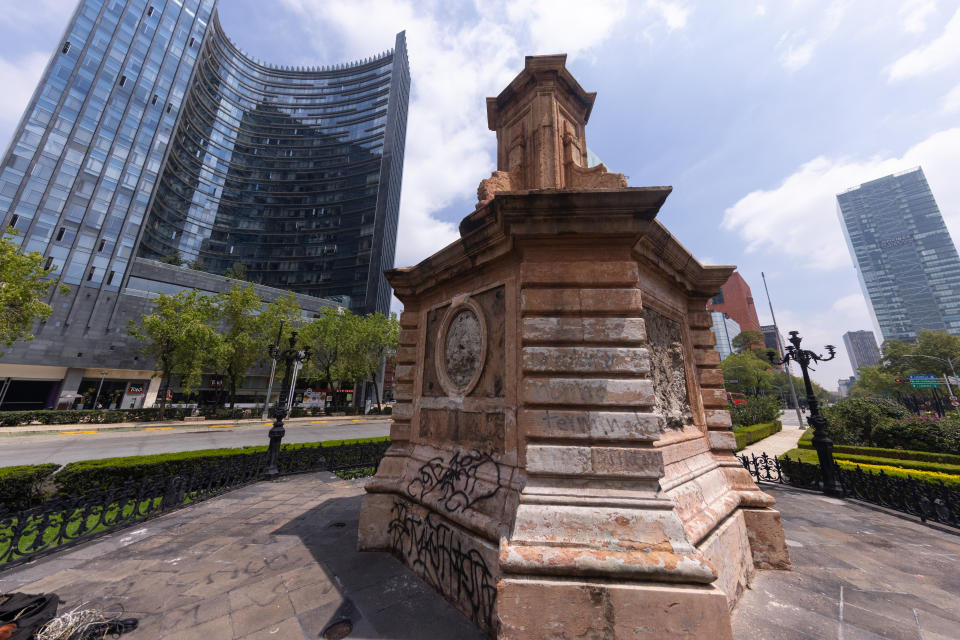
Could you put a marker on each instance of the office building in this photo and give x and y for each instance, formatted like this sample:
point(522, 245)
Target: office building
point(905, 258)
point(152, 138)
point(771, 339)
point(862, 350)
point(724, 330)
point(736, 300)
point(844, 385)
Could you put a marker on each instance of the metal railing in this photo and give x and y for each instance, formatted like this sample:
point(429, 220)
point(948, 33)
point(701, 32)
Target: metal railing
point(66, 520)
point(933, 501)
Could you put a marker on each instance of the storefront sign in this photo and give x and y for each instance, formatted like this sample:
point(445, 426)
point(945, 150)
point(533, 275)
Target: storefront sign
point(136, 388)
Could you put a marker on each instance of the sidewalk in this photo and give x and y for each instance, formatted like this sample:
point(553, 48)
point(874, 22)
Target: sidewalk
point(278, 560)
point(117, 426)
point(272, 560)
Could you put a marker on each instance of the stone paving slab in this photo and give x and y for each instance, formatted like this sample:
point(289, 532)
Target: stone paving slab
point(271, 560)
point(278, 560)
point(859, 572)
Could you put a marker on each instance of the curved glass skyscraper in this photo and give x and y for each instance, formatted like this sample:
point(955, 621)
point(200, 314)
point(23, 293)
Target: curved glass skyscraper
point(152, 138)
point(286, 173)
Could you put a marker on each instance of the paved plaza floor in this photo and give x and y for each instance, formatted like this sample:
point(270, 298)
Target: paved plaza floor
point(278, 560)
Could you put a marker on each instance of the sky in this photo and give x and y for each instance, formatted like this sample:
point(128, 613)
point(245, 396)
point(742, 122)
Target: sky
point(756, 112)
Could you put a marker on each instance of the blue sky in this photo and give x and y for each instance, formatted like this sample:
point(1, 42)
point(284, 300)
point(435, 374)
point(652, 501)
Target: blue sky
point(756, 112)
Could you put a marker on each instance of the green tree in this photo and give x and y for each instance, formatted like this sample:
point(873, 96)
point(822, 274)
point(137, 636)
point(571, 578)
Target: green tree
point(327, 335)
point(238, 271)
point(875, 381)
point(23, 284)
point(172, 258)
point(382, 336)
point(180, 335)
point(242, 339)
point(753, 375)
point(747, 340)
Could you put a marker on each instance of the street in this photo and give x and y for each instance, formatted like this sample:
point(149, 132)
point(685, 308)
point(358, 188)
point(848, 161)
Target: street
point(62, 448)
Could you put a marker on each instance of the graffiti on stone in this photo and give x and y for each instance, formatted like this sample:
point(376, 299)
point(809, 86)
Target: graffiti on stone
point(453, 484)
point(437, 552)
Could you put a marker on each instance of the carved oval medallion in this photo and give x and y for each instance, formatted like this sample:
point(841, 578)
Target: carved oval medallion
point(463, 350)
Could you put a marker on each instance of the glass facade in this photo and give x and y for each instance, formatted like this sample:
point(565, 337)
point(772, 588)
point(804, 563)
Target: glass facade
point(905, 258)
point(293, 175)
point(80, 172)
point(724, 330)
point(151, 134)
point(862, 350)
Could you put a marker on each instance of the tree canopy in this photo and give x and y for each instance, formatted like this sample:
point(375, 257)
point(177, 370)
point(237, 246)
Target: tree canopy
point(746, 340)
point(24, 282)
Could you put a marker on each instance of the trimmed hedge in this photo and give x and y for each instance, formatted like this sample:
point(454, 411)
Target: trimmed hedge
point(881, 452)
point(78, 477)
point(20, 485)
point(875, 465)
point(755, 432)
point(89, 416)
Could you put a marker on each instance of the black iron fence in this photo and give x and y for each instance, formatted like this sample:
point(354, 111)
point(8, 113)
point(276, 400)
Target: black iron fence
point(934, 501)
point(65, 520)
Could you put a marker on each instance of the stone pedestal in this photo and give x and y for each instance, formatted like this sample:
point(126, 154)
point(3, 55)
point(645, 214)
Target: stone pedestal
point(562, 461)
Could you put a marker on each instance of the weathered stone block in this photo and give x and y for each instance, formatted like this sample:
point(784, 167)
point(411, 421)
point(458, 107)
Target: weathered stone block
point(767, 541)
point(598, 611)
point(587, 391)
point(581, 300)
point(580, 273)
point(585, 360)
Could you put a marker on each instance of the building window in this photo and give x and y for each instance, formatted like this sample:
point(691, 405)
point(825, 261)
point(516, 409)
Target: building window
point(48, 264)
point(154, 100)
point(150, 10)
point(123, 80)
point(191, 42)
point(110, 280)
point(60, 234)
point(14, 220)
point(717, 299)
point(66, 47)
point(102, 244)
point(90, 273)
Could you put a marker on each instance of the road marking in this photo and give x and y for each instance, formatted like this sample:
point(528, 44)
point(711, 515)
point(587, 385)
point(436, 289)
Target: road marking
point(158, 428)
point(357, 421)
point(220, 426)
point(75, 433)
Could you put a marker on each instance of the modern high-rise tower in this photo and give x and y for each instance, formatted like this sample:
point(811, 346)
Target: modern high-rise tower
point(906, 261)
point(152, 138)
point(862, 349)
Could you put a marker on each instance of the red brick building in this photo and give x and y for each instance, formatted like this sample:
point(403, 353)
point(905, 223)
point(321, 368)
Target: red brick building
point(736, 301)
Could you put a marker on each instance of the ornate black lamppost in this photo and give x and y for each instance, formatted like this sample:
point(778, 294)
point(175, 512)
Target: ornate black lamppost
point(821, 442)
point(289, 356)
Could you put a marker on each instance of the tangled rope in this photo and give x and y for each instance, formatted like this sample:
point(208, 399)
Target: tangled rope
point(85, 624)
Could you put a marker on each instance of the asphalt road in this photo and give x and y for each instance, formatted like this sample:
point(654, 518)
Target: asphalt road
point(61, 449)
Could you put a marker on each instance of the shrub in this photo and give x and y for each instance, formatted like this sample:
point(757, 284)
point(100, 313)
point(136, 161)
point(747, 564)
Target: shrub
point(881, 452)
point(88, 416)
point(753, 433)
point(851, 421)
point(875, 465)
point(757, 410)
point(919, 434)
point(20, 485)
point(79, 477)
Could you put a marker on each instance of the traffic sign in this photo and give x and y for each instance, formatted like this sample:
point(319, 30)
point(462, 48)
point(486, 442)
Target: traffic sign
point(923, 377)
point(925, 384)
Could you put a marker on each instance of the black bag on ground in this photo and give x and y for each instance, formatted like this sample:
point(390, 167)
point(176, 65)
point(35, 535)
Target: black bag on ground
point(28, 611)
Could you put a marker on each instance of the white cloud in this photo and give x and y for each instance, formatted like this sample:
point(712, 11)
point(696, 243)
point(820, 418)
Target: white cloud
point(565, 26)
point(796, 52)
point(914, 14)
point(455, 63)
point(798, 218)
point(674, 14)
point(951, 101)
point(931, 57)
point(20, 78)
point(795, 49)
